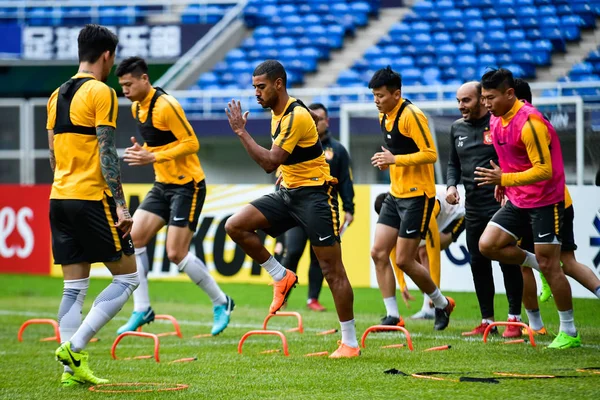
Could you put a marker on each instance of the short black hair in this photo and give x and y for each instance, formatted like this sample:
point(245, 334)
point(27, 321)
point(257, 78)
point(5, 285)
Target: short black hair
point(135, 66)
point(500, 79)
point(93, 40)
point(319, 106)
point(386, 77)
point(379, 201)
point(273, 69)
point(523, 90)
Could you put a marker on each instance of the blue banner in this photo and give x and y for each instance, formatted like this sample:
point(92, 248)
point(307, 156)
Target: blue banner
point(152, 42)
point(10, 45)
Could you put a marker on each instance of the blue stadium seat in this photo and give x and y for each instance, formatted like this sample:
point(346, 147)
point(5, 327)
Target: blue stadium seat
point(420, 27)
point(445, 61)
point(549, 10)
point(447, 49)
point(495, 24)
point(235, 55)
point(373, 53)
point(466, 60)
point(516, 34)
point(411, 76)
point(485, 60)
point(582, 68)
point(431, 74)
point(475, 25)
point(348, 77)
point(472, 13)
point(441, 38)
point(425, 61)
point(360, 65)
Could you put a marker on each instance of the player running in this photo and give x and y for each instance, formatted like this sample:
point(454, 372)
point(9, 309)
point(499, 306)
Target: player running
point(307, 197)
point(89, 218)
point(530, 172)
point(177, 196)
point(409, 154)
point(295, 239)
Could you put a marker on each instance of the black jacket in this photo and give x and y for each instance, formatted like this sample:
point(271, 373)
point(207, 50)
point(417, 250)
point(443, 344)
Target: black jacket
point(340, 165)
point(470, 147)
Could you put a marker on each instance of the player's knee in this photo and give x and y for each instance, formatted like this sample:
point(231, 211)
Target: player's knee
point(547, 266)
point(379, 255)
point(487, 247)
point(232, 228)
point(176, 255)
point(405, 263)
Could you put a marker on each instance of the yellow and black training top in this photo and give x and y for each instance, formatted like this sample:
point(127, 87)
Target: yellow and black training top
point(407, 136)
point(167, 133)
point(295, 131)
point(75, 109)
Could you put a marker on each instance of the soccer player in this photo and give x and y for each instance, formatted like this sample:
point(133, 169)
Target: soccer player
point(409, 154)
point(307, 197)
point(178, 194)
point(470, 147)
point(89, 218)
point(339, 164)
point(530, 172)
point(571, 267)
point(444, 228)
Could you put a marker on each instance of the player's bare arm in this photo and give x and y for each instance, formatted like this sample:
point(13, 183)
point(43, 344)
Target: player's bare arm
point(269, 160)
point(111, 170)
point(51, 148)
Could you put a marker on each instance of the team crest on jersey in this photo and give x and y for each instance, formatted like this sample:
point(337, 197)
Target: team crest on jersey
point(328, 154)
point(487, 136)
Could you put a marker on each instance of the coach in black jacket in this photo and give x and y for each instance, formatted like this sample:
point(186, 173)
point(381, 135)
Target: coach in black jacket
point(295, 239)
point(470, 147)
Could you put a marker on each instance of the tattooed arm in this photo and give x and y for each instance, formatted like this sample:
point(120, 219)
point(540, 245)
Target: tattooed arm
point(109, 161)
point(111, 170)
point(51, 147)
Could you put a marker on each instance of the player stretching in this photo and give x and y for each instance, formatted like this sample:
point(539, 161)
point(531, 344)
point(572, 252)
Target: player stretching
point(87, 204)
point(177, 196)
point(532, 172)
point(307, 197)
point(409, 154)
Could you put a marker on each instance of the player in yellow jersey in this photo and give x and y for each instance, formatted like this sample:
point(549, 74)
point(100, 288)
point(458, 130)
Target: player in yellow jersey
point(178, 194)
point(307, 196)
point(89, 218)
point(409, 154)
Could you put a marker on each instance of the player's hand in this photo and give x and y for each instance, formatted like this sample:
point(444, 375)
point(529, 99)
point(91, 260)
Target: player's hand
point(136, 155)
point(499, 194)
point(237, 121)
point(406, 297)
point(279, 180)
point(278, 248)
point(124, 222)
point(452, 195)
point(488, 176)
point(383, 158)
point(348, 219)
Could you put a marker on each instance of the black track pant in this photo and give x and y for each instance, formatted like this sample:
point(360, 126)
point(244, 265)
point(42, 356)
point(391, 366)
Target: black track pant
point(481, 267)
point(295, 242)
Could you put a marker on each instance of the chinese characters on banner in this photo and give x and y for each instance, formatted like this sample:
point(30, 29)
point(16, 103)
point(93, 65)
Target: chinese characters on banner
point(60, 43)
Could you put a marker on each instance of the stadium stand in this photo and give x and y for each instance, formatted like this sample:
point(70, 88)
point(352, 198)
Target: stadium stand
point(298, 33)
point(65, 14)
point(453, 41)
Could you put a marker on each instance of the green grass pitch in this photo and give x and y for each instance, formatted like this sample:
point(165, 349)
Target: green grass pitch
point(28, 369)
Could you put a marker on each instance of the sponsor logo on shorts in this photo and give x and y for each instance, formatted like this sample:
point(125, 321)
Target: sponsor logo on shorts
point(324, 238)
point(178, 219)
point(410, 232)
point(544, 235)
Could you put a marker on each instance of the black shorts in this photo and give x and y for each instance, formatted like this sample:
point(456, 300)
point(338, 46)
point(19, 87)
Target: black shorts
point(566, 233)
point(314, 208)
point(545, 223)
point(178, 205)
point(455, 228)
point(84, 231)
point(409, 215)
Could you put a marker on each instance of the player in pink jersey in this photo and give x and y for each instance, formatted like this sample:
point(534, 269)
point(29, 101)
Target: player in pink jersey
point(531, 174)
